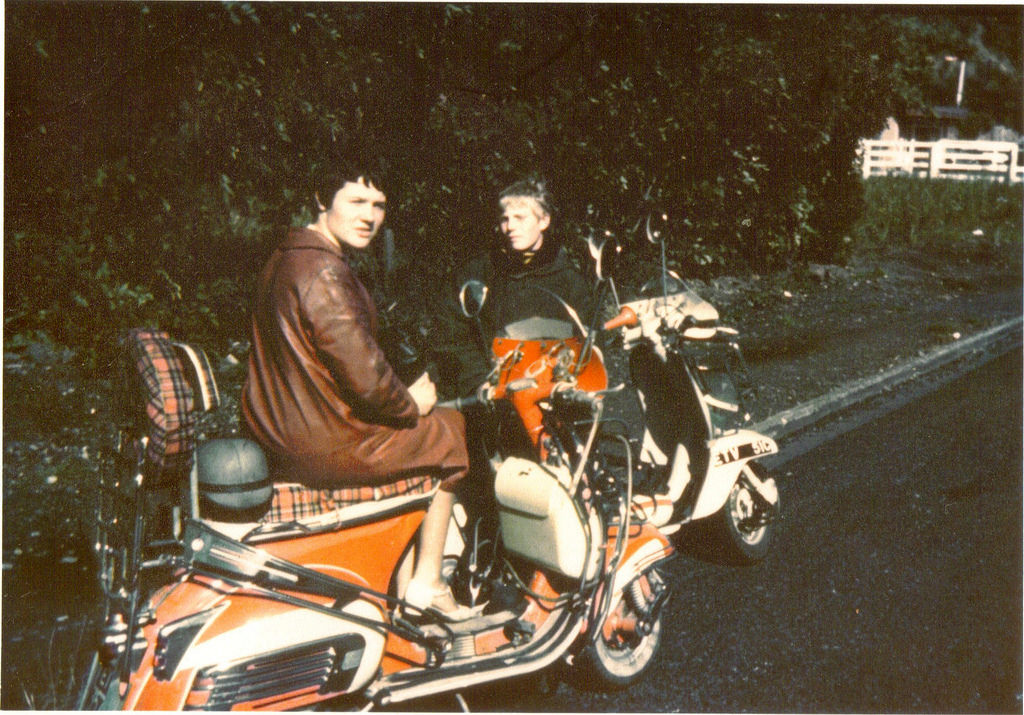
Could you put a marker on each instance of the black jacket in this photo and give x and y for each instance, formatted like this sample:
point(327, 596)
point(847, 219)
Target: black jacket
point(515, 292)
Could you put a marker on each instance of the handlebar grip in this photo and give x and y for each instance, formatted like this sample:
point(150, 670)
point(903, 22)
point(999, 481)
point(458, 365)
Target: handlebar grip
point(626, 317)
point(459, 402)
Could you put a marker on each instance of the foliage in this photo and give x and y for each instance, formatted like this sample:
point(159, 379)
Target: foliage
point(931, 48)
point(155, 151)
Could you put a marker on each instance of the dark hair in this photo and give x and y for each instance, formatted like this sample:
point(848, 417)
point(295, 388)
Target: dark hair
point(327, 181)
point(533, 188)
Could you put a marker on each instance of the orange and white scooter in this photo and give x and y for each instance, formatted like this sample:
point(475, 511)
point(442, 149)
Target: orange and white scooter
point(214, 602)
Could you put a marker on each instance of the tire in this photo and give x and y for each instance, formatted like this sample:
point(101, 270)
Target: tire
point(618, 660)
point(744, 531)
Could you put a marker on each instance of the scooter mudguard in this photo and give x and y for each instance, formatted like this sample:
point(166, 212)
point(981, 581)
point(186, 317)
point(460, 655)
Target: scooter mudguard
point(647, 546)
point(728, 455)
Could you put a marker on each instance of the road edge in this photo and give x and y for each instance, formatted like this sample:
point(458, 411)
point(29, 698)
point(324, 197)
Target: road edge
point(976, 348)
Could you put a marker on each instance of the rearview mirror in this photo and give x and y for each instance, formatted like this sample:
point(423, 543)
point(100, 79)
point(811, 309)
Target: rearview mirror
point(657, 227)
point(472, 297)
point(604, 249)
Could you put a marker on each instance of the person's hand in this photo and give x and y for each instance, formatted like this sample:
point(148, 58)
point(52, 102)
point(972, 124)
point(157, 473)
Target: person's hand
point(424, 394)
point(484, 393)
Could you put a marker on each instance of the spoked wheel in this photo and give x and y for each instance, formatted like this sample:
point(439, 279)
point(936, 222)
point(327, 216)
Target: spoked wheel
point(630, 636)
point(746, 524)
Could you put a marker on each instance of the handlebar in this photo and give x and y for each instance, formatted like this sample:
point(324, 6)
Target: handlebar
point(627, 317)
point(570, 395)
point(460, 403)
point(484, 396)
point(577, 397)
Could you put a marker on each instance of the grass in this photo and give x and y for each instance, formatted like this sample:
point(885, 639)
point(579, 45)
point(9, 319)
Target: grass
point(48, 676)
point(975, 219)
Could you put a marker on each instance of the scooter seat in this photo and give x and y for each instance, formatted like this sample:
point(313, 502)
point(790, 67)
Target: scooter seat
point(339, 517)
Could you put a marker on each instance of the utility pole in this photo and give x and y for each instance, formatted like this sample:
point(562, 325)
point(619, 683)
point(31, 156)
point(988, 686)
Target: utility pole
point(960, 81)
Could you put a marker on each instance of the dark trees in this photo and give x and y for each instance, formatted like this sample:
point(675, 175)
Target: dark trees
point(152, 150)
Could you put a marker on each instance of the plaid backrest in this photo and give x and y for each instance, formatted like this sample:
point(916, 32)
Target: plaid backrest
point(160, 398)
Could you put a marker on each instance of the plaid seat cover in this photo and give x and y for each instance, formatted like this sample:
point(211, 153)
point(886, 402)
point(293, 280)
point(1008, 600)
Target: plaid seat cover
point(296, 501)
point(159, 369)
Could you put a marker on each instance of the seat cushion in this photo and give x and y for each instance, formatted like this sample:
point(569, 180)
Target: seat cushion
point(294, 502)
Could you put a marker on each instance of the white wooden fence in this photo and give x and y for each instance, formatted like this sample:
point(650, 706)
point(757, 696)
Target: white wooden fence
point(943, 159)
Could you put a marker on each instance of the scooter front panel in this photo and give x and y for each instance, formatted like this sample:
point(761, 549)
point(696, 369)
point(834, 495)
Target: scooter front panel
point(544, 362)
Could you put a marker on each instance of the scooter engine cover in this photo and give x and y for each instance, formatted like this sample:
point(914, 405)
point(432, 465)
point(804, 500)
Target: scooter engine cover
point(234, 480)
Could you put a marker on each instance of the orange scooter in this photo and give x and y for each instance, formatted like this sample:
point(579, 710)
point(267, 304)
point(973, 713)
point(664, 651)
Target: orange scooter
point(214, 602)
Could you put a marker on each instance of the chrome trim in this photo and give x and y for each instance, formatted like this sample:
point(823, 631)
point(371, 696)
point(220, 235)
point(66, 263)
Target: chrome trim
point(531, 657)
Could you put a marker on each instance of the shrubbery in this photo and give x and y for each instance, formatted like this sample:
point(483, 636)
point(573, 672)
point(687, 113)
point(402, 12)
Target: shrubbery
point(155, 151)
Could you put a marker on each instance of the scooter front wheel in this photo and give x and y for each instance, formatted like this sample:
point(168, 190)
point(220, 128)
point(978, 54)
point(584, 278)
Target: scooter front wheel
point(745, 525)
point(629, 640)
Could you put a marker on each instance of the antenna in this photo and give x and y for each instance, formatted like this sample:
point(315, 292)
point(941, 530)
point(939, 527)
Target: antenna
point(656, 235)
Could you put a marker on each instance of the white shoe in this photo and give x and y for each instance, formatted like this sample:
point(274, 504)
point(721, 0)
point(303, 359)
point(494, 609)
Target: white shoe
point(438, 600)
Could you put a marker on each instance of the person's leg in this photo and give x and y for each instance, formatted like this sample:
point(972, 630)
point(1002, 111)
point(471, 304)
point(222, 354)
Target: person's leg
point(426, 589)
point(433, 532)
point(436, 445)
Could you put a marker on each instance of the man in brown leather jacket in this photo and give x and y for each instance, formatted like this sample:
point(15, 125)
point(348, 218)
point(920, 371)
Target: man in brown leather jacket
point(320, 395)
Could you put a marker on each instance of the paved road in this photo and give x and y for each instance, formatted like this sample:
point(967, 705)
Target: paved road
point(894, 586)
point(895, 583)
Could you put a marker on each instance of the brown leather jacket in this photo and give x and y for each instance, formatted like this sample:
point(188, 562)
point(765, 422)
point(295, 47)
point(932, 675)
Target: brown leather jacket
point(320, 396)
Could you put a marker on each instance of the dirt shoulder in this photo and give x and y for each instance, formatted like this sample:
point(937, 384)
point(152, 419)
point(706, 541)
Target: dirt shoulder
point(807, 332)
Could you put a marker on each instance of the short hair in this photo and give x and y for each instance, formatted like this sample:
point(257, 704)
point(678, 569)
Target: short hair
point(329, 180)
point(530, 188)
